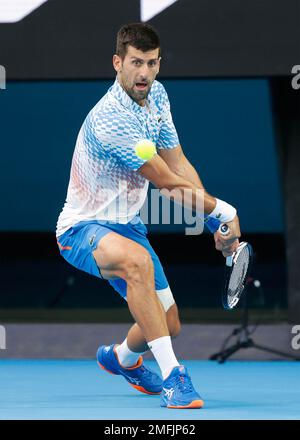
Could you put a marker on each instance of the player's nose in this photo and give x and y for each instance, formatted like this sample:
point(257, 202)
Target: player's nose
point(144, 72)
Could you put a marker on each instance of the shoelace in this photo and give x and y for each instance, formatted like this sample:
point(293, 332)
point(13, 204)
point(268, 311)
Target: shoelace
point(144, 371)
point(183, 382)
point(147, 373)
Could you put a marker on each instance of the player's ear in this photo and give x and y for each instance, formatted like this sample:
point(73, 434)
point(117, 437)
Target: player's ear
point(117, 63)
point(158, 64)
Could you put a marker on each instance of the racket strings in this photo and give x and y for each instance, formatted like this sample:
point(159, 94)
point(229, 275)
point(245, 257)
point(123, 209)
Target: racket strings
point(238, 274)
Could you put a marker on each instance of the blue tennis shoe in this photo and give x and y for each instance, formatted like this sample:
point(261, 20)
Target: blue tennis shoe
point(139, 377)
point(178, 391)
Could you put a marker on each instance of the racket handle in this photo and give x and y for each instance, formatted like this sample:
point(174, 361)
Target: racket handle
point(229, 260)
point(224, 230)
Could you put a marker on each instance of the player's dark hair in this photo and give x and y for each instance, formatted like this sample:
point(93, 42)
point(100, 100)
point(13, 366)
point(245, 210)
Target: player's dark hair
point(141, 36)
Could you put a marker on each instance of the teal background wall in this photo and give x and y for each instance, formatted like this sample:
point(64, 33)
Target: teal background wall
point(224, 126)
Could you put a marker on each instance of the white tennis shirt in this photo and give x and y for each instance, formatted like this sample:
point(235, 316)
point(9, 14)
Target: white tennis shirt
point(104, 182)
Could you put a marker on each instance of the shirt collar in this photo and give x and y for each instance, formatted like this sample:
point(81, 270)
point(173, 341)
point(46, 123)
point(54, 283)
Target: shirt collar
point(119, 93)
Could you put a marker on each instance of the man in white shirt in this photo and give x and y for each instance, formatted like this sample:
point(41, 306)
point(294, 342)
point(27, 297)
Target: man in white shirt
point(99, 229)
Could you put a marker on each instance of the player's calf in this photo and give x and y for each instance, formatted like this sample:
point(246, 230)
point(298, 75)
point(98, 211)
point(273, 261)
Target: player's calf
point(175, 329)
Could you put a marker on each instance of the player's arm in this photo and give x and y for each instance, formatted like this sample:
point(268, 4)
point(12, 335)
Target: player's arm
point(172, 154)
point(172, 185)
point(180, 165)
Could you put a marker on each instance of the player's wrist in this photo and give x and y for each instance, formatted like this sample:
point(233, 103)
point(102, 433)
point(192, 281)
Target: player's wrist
point(223, 211)
point(211, 223)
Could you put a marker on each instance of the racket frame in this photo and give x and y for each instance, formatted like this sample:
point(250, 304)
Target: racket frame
point(230, 262)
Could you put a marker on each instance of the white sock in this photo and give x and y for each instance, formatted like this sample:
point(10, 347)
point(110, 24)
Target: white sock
point(127, 358)
point(163, 352)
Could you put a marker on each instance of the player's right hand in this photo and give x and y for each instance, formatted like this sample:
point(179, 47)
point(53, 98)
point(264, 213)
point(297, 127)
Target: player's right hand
point(229, 243)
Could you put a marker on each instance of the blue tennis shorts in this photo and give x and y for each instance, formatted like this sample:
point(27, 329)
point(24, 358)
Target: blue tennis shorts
point(77, 244)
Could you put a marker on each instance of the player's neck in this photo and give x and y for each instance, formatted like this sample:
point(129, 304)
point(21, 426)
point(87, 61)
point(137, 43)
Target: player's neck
point(141, 103)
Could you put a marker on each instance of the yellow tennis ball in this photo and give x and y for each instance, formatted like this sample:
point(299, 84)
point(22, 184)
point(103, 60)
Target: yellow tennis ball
point(145, 149)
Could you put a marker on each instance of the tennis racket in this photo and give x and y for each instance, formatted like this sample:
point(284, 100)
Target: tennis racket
point(237, 270)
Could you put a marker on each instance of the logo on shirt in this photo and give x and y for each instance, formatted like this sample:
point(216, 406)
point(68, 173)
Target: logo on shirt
point(92, 240)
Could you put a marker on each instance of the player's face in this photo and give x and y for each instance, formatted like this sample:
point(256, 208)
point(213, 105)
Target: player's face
point(137, 71)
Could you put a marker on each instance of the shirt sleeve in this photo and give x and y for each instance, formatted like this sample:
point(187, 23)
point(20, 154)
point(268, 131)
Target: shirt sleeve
point(118, 135)
point(168, 137)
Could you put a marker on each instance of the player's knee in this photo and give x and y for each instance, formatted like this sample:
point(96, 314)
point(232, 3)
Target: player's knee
point(138, 266)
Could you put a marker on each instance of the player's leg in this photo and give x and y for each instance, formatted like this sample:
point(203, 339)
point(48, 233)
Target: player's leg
point(135, 344)
point(123, 259)
point(148, 311)
point(136, 340)
point(178, 391)
point(95, 249)
point(120, 257)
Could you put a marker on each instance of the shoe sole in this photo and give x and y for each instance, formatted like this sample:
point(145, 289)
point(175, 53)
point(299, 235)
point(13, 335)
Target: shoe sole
point(193, 405)
point(136, 387)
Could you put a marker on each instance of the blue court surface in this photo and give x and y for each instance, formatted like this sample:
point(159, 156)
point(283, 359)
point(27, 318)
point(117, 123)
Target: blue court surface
point(78, 389)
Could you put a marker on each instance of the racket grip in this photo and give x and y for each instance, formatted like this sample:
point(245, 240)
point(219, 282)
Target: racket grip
point(224, 230)
point(229, 260)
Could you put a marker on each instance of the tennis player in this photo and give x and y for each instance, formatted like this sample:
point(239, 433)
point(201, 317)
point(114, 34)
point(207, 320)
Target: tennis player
point(99, 229)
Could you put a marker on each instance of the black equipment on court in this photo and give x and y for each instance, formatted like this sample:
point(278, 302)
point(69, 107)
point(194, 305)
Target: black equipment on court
point(243, 333)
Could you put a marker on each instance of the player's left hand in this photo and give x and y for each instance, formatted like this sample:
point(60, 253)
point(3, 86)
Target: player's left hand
point(226, 247)
point(228, 250)
point(228, 243)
